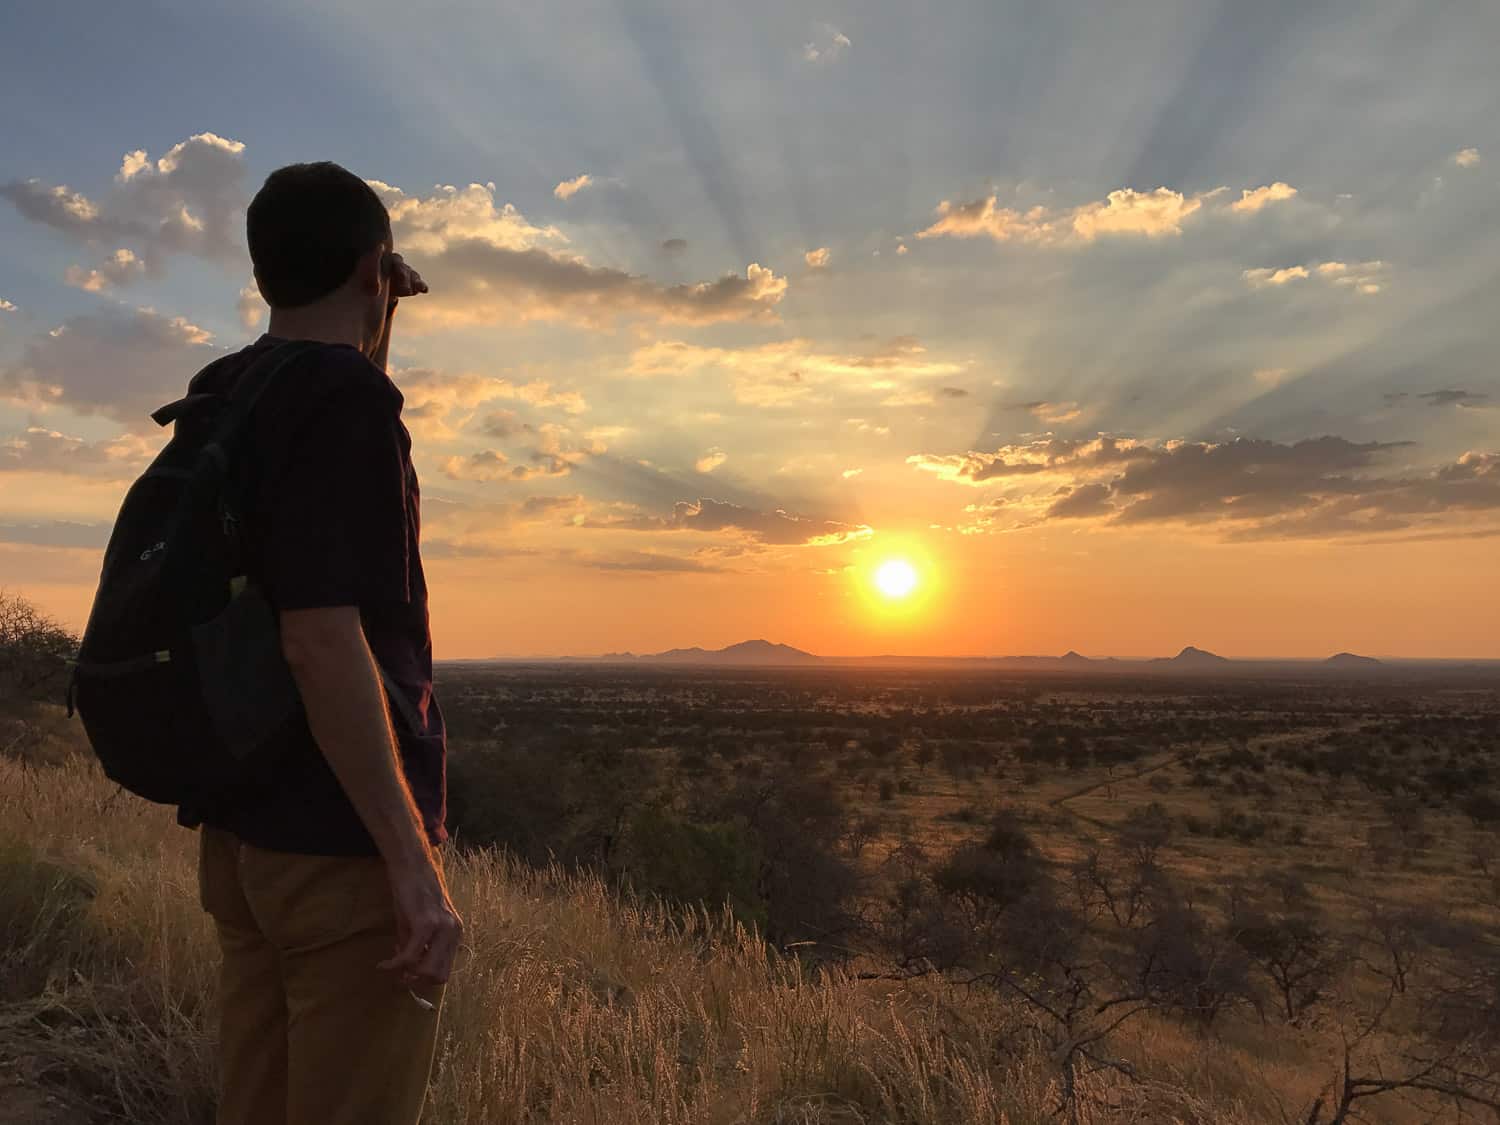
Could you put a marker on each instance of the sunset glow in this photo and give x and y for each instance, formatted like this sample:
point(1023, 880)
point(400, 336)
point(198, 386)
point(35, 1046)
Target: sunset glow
point(896, 578)
point(761, 304)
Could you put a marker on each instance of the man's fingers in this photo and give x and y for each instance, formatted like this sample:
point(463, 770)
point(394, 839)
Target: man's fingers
point(409, 954)
point(429, 951)
point(437, 963)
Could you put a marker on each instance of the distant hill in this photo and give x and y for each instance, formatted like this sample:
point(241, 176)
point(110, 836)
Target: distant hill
point(1191, 657)
point(1191, 661)
point(757, 652)
point(1351, 660)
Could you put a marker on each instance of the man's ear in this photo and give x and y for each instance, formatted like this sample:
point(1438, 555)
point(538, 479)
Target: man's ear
point(370, 272)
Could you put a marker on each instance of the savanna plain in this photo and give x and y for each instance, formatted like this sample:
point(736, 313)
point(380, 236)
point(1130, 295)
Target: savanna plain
point(937, 897)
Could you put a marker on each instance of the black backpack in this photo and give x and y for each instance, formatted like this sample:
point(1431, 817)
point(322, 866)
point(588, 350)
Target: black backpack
point(180, 678)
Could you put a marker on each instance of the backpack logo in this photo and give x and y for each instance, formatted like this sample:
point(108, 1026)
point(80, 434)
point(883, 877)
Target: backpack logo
point(155, 548)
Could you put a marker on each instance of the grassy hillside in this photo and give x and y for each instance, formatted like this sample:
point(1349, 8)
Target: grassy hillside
point(575, 1003)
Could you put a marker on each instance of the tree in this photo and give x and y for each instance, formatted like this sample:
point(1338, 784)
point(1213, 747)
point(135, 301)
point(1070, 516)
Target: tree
point(1292, 947)
point(34, 650)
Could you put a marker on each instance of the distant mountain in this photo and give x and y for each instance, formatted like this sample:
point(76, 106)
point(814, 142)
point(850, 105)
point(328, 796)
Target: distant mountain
point(1191, 657)
point(762, 653)
point(757, 652)
point(1351, 660)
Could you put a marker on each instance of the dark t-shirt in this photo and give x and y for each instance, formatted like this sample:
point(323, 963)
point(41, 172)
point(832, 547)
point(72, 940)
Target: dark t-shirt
point(333, 519)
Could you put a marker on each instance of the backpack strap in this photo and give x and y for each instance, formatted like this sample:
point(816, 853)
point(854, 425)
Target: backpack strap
point(253, 382)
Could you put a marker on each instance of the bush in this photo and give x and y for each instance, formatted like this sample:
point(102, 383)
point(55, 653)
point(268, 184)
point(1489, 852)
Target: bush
point(708, 864)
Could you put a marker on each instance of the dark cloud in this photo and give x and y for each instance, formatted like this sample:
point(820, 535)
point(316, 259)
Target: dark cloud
point(952, 392)
point(674, 246)
point(1252, 488)
point(1085, 501)
point(501, 424)
point(777, 528)
point(123, 364)
point(476, 280)
point(1047, 455)
point(56, 533)
point(40, 450)
point(1453, 398)
point(646, 562)
point(187, 202)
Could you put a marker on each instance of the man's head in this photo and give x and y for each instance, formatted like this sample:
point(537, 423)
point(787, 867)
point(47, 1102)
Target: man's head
point(318, 232)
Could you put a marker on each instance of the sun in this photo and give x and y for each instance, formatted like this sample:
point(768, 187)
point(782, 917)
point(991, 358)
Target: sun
point(896, 578)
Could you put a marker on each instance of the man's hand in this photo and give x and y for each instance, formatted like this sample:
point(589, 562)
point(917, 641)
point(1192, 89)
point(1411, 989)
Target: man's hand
point(428, 929)
point(405, 281)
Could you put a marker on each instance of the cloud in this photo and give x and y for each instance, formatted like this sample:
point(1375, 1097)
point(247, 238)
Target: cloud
point(1467, 158)
point(487, 264)
point(643, 562)
point(828, 47)
point(777, 528)
point(501, 424)
point(1260, 278)
point(7, 306)
point(850, 474)
point(117, 363)
point(1248, 488)
point(1062, 457)
point(56, 533)
point(429, 225)
point(1054, 412)
point(1149, 213)
point(187, 202)
point(250, 307)
point(953, 392)
point(55, 205)
point(438, 405)
point(1365, 278)
point(1083, 502)
point(488, 528)
point(787, 371)
point(984, 217)
point(569, 188)
point(1454, 398)
point(487, 283)
point(40, 450)
point(1124, 212)
point(551, 450)
point(902, 249)
point(484, 466)
point(818, 259)
point(1252, 200)
point(120, 268)
point(711, 460)
point(674, 246)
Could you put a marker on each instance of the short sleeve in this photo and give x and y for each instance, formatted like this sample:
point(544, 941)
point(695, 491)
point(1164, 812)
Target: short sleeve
point(334, 528)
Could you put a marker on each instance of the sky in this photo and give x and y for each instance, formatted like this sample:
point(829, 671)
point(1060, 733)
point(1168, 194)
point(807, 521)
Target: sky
point(1126, 326)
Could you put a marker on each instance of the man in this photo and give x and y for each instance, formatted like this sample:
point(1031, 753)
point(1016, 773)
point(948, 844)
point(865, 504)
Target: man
point(332, 914)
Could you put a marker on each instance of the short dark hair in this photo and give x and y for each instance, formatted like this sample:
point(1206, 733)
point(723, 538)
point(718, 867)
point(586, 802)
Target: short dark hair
point(307, 227)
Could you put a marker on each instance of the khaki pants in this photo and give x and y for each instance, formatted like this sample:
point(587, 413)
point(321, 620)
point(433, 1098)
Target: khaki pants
point(310, 1031)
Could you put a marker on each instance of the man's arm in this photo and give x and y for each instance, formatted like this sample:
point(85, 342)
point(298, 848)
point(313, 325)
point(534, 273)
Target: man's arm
point(346, 710)
point(405, 282)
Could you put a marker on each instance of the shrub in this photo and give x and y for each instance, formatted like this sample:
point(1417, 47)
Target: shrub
point(707, 864)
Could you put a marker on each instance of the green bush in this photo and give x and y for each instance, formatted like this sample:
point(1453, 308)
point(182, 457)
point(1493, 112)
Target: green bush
point(695, 863)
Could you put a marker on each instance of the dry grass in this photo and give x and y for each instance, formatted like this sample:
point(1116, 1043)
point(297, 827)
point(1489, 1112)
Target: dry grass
point(575, 1004)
